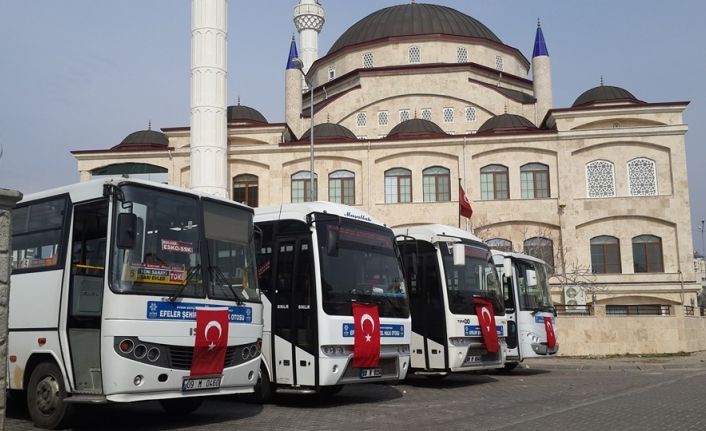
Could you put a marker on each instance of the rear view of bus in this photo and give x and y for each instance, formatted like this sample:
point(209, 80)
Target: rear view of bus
point(458, 316)
point(128, 291)
point(531, 316)
point(335, 302)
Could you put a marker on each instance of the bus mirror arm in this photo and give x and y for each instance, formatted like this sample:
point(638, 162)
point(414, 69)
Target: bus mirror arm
point(332, 242)
point(507, 268)
point(127, 231)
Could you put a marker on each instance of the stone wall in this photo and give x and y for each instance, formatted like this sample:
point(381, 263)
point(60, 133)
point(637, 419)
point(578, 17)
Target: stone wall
point(8, 198)
point(601, 335)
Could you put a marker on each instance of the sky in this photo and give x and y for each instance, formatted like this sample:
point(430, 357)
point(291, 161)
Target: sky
point(83, 74)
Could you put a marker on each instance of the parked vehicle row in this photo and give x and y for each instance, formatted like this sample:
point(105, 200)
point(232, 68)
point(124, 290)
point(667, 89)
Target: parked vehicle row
point(125, 290)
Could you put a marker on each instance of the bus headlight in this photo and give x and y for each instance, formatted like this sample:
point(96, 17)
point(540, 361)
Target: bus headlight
point(460, 341)
point(533, 337)
point(403, 349)
point(336, 350)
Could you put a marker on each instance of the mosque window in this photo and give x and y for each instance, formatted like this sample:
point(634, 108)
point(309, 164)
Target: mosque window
point(436, 182)
point(494, 183)
point(361, 119)
point(368, 60)
point(398, 186)
point(534, 180)
point(461, 55)
point(498, 62)
point(331, 72)
point(541, 248)
point(415, 55)
point(600, 179)
point(383, 118)
point(642, 177)
point(647, 254)
point(617, 125)
point(426, 114)
point(245, 189)
point(470, 114)
point(500, 244)
point(448, 115)
point(404, 115)
point(605, 255)
point(301, 189)
point(341, 187)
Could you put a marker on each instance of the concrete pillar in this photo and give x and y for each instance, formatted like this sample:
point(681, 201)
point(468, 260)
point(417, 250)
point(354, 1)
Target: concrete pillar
point(8, 199)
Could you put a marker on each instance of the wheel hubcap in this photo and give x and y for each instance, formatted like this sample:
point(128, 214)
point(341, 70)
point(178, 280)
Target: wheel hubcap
point(48, 395)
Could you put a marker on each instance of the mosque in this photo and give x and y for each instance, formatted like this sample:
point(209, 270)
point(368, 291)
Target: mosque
point(416, 103)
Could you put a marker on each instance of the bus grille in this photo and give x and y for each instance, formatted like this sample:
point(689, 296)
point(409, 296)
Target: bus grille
point(180, 357)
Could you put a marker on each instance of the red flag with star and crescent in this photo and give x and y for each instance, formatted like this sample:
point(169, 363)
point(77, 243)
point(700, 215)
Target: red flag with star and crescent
point(486, 321)
point(551, 337)
point(211, 342)
point(464, 205)
point(366, 335)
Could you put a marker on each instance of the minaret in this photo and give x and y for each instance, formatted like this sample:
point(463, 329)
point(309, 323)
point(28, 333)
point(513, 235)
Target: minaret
point(293, 92)
point(541, 76)
point(309, 19)
point(209, 133)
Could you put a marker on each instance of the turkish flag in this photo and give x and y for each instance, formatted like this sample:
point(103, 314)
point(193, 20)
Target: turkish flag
point(464, 205)
point(211, 342)
point(366, 335)
point(551, 337)
point(486, 321)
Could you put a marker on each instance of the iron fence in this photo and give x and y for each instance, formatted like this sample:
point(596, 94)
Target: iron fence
point(574, 310)
point(638, 310)
point(688, 310)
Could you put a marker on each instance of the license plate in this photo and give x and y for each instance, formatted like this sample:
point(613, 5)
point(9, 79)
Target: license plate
point(201, 383)
point(366, 373)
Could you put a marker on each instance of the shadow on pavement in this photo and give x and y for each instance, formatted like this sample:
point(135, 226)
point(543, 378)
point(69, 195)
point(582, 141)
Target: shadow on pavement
point(351, 394)
point(454, 380)
point(522, 372)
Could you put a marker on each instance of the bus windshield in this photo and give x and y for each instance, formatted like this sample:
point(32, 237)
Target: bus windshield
point(365, 267)
point(477, 278)
point(533, 288)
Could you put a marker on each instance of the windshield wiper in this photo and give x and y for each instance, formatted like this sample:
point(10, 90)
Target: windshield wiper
point(189, 275)
point(370, 295)
point(221, 278)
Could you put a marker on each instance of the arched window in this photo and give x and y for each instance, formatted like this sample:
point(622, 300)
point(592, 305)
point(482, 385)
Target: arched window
point(461, 55)
point(500, 244)
point(245, 189)
point(341, 187)
point(398, 185)
point(600, 179)
point(436, 181)
point(301, 187)
point(534, 179)
point(494, 183)
point(415, 54)
point(605, 255)
point(361, 119)
point(368, 60)
point(426, 114)
point(647, 253)
point(642, 177)
point(541, 248)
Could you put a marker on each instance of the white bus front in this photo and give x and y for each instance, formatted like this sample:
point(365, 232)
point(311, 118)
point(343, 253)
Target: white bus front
point(308, 292)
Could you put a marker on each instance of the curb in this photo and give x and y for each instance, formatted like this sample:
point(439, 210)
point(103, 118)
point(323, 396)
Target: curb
point(597, 364)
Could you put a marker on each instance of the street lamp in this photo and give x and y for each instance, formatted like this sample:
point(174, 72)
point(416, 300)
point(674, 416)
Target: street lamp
point(299, 64)
point(701, 229)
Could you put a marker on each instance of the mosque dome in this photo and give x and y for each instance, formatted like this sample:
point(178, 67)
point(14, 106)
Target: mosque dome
point(506, 123)
point(415, 126)
point(605, 93)
point(245, 114)
point(143, 139)
point(329, 131)
point(410, 20)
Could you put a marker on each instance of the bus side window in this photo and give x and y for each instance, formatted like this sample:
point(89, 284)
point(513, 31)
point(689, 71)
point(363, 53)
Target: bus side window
point(264, 259)
point(37, 232)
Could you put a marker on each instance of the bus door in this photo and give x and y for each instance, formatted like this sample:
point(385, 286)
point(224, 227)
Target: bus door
point(512, 308)
point(294, 314)
point(85, 300)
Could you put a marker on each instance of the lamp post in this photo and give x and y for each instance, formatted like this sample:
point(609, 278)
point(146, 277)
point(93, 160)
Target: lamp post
point(299, 64)
point(703, 251)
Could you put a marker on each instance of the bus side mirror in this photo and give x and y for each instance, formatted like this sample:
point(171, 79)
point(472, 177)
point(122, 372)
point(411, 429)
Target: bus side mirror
point(127, 231)
point(332, 242)
point(507, 267)
point(459, 251)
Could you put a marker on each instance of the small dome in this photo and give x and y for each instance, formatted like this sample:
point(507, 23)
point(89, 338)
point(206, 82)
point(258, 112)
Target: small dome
point(605, 93)
point(144, 139)
point(329, 131)
point(413, 19)
point(506, 122)
point(245, 114)
point(415, 126)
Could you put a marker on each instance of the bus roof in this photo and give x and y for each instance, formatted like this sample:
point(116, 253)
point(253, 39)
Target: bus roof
point(520, 256)
point(435, 232)
point(94, 188)
point(299, 211)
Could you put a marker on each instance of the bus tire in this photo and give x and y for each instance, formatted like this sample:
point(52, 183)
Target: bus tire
point(46, 395)
point(181, 406)
point(263, 388)
point(511, 366)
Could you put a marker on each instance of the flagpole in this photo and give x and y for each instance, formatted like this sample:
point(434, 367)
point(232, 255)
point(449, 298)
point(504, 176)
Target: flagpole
point(459, 203)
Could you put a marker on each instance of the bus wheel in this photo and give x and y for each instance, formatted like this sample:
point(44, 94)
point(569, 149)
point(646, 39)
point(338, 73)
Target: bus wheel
point(511, 366)
point(46, 396)
point(263, 387)
point(181, 406)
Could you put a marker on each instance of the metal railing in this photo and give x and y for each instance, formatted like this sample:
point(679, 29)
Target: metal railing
point(574, 310)
point(638, 310)
point(688, 310)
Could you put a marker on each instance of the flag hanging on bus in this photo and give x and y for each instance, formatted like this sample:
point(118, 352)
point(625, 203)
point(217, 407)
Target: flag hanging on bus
point(486, 321)
point(464, 205)
point(211, 342)
point(551, 337)
point(366, 335)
